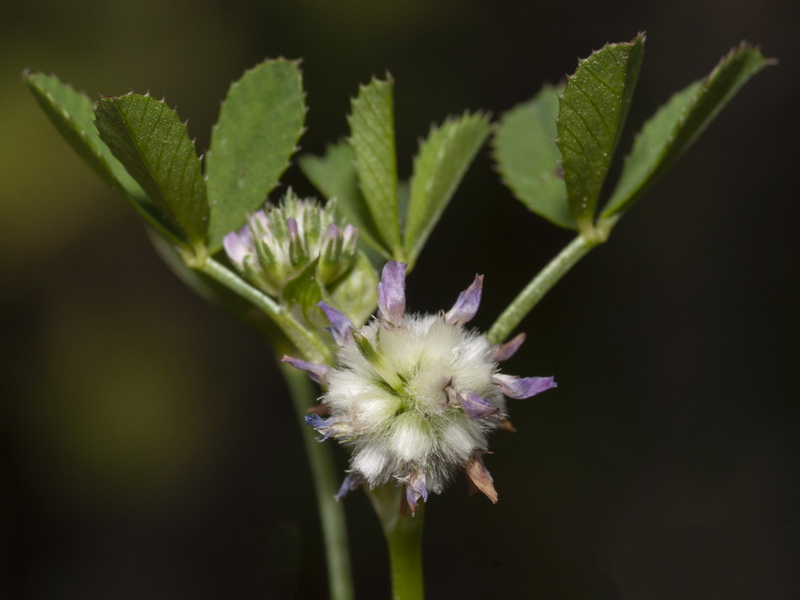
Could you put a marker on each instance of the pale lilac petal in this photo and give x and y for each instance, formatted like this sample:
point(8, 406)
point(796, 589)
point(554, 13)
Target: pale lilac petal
point(316, 372)
point(523, 387)
point(415, 489)
point(501, 352)
point(323, 426)
point(475, 406)
point(238, 245)
point(260, 218)
point(350, 483)
point(291, 226)
point(331, 232)
point(467, 304)
point(341, 327)
point(330, 240)
point(392, 292)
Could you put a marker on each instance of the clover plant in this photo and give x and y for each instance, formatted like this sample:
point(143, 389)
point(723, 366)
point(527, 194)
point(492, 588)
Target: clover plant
point(414, 397)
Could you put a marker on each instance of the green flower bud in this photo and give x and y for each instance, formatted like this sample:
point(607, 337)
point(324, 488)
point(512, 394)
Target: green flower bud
point(279, 242)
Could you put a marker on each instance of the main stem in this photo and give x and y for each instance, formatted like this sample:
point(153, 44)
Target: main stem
point(323, 469)
point(538, 287)
point(403, 534)
point(405, 556)
point(320, 457)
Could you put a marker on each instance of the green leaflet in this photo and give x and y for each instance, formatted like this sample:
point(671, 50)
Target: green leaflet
point(149, 139)
point(439, 167)
point(71, 113)
point(372, 137)
point(594, 106)
point(529, 160)
point(259, 126)
point(676, 125)
point(362, 174)
point(334, 174)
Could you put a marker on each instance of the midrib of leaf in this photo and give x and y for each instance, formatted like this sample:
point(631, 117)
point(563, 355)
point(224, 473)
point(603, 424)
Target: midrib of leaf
point(373, 141)
point(165, 180)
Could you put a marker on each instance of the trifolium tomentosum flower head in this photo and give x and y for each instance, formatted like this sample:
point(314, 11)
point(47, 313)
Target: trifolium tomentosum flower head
point(277, 243)
point(415, 395)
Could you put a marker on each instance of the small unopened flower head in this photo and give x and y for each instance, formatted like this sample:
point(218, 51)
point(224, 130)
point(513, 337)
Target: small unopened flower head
point(415, 396)
point(277, 243)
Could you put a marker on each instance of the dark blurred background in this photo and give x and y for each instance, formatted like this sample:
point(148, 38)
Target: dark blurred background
point(147, 446)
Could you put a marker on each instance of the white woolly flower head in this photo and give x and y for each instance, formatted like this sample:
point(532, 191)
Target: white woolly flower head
point(416, 395)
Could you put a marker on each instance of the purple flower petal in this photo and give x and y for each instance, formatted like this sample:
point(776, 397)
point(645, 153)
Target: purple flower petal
point(467, 304)
point(415, 489)
point(523, 387)
point(238, 245)
point(475, 406)
point(341, 326)
point(501, 352)
point(316, 372)
point(323, 426)
point(332, 231)
point(260, 221)
point(328, 250)
point(351, 482)
point(291, 227)
point(392, 292)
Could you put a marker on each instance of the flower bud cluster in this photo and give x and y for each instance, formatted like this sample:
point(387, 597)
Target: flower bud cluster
point(279, 242)
point(415, 396)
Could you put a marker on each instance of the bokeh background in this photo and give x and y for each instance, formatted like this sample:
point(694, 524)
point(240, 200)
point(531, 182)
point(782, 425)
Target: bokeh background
point(147, 446)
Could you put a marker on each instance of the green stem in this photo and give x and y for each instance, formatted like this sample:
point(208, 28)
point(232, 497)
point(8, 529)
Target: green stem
point(403, 534)
point(540, 285)
point(323, 469)
point(405, 557)
point(310, 345)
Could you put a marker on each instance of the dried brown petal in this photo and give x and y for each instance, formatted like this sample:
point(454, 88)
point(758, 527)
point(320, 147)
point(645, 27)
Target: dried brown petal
point(480, 476)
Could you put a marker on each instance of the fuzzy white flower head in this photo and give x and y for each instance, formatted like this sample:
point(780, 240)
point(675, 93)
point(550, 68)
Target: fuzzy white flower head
point(416, 395)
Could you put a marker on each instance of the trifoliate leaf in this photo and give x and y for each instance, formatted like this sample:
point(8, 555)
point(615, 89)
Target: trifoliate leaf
point(529, 160)
point(259, 126)
point(149, 139)
point(438, 168)
point(593, 109)
point(675, 126)
point(334, 174)
point(372, 137)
